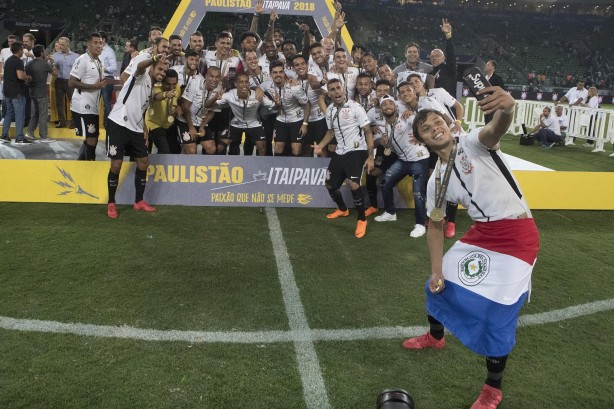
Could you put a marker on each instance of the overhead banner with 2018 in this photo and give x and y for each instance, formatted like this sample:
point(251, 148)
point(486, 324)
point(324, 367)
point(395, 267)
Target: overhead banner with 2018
point(190, 14)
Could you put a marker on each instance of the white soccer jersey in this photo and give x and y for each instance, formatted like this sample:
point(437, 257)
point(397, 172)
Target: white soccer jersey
point(292, 97)
point(256, 80)
point(347, 123)
point(183, 77)
point(315, 69)
point(479, 184)
point(198, 95)
point(366, 101)
point(131, 68)
point(245, 110)
point(402, 76)
point(265, 64)
point(132, 101)
point(563, 121)
point(348, 81)
point(225, 66)
point(445, 100)
point(401, 140)
point(316, 113)
point(89, 71)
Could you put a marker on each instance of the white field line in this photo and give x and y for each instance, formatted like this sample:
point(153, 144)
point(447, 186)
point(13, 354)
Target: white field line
point(314, 389)
point(272, 337)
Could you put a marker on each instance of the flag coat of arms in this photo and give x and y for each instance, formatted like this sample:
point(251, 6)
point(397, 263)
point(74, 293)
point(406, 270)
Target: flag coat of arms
point(487, 279)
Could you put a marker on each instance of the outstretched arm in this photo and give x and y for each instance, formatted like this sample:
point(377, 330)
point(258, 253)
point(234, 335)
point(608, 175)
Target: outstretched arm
point(501, 104)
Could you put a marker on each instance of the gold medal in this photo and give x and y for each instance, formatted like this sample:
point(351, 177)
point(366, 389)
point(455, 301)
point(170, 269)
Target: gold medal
point(387, 151)
point(437, 214)
point(151, 112)
point(170, 119)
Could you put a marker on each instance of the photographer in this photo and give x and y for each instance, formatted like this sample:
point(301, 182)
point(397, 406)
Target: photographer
point(548, 131)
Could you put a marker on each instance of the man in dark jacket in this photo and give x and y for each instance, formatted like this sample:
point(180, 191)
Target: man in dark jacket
point(444, 65)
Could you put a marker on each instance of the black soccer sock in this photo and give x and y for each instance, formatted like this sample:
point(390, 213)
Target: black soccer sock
point(112, 182)
point(82, 149)
point(436, 328)
point(372, 189)
point(495, 367)
point(335, 194)
point(359, 203)
point(90, 152)
point(451, 209)
point(140, 179)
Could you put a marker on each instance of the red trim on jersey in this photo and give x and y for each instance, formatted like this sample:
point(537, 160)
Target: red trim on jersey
point(517, 238)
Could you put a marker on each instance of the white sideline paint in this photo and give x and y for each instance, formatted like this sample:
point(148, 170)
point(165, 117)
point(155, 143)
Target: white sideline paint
point(314, 388)
point(272, 337)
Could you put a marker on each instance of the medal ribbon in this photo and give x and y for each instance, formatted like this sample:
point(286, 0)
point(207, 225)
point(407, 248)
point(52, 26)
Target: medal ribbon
point(442, 186)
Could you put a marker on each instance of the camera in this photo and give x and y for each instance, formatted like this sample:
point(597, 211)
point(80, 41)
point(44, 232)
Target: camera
point(394, 399)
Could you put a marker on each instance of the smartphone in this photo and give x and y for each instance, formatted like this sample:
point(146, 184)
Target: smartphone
point(476, 80)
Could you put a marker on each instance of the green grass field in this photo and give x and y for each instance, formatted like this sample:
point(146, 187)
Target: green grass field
point(256, 343)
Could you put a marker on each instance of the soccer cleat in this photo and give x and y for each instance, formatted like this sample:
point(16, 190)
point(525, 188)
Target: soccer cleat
point(361, 229)
point(489, 398)
point(386, 217)
point(424, 341)
point(371, 210)
point(418, 231)
point(338, 213)
point(144, 206)
point(23, 141)
point(450, 230)
point(112, 211)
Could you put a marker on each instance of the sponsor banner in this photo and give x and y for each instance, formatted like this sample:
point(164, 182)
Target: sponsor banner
point(544, 96)
point(190, 13)
point(237, 181)
point(197, 180)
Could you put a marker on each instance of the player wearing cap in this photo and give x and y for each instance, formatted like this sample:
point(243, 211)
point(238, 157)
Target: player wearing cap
point(412, 161)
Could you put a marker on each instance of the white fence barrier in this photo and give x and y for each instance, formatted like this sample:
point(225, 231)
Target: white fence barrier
point(588, 123)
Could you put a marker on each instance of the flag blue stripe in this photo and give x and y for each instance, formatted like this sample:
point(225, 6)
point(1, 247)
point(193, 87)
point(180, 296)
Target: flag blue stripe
point(484, 326)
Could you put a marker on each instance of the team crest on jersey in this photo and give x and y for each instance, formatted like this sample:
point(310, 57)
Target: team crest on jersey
point(465, 92)
point(186, 136)
point(112, 150)
point(466, 165)
point(87, 106)
point(345, 113)
point(91, 128)
point(473, 268)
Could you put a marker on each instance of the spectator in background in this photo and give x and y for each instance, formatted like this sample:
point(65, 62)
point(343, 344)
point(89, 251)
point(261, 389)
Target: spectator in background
point(563, 124)
point(62, 61)
point(5, 54)
point(38, 70)
point(28, 41)
point(593, 102)
point(358, 51)
point(576, 95)
point(444, 65)
point(494, 79)
point(109, 66)
point(412, 61)
point(547, 132)
point(130, 51)
point(14, 92)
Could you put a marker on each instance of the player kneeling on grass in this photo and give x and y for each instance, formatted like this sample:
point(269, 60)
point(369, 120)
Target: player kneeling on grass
point(126, 129)
point(347, 121)
point(477, 289)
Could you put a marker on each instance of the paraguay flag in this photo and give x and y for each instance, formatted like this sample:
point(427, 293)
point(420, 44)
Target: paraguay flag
point(487, 279)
